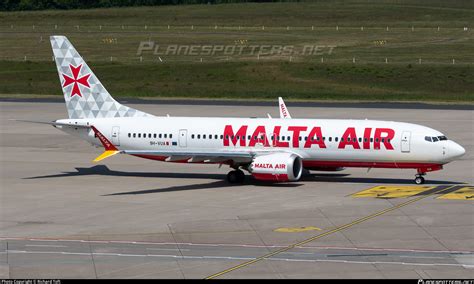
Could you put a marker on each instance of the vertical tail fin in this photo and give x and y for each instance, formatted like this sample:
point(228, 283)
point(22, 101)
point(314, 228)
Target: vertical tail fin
point(84, 94)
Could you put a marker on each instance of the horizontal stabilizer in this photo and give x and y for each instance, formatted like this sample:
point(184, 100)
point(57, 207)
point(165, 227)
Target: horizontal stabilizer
point(53, 123)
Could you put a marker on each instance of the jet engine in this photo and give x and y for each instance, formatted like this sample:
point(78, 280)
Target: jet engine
point(277, 167)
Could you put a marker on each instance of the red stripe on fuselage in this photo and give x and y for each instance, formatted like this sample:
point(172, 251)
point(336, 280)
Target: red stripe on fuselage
point(352, 164)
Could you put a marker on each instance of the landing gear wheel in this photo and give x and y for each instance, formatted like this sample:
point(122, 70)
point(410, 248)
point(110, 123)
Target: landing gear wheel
point(236, 176)
point(240, 175)
point(419, 180)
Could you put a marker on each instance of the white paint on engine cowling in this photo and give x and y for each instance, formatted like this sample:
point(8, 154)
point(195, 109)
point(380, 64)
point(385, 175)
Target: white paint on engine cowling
point(277, 167)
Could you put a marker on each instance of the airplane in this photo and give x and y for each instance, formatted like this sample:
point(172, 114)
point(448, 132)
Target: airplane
point(270, 149)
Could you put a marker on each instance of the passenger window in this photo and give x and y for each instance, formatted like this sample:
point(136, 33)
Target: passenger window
point(376, 140)
point(360, 139)
point(154, 135)
point(222, 136)
point(283, 138)
point(215, 136)
point(383, 140)
point(336, 139)
point(330, 139)
point(210, 136)
point(139, 135)
point(166, 135)
point(134, 135)
point(288, 138)
point(149, 135)
point(371, 139)
point(159, 135)
point(199, 136)
point(248, 137)
point(171, 135)
point(365, 139)
point(203, 136)
point(300, 138)
point(192, 136)
point(129, 135)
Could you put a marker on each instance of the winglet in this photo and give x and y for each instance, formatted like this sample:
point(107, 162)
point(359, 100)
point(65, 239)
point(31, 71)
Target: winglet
point(105, 155)
point(284, 113)
point(110, 148)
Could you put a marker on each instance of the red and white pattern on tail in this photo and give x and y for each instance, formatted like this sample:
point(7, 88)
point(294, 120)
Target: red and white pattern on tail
point(84, 94)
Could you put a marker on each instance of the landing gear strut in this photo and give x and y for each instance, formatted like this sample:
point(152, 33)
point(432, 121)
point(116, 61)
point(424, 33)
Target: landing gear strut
point(419, 179)
point(236, 176)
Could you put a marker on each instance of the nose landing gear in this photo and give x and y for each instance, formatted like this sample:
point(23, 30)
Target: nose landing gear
point(419, 179)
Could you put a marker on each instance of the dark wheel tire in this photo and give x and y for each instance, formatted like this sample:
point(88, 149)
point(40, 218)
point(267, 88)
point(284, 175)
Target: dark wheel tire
point(240, 176)
point(419, 180)
point(233, 177)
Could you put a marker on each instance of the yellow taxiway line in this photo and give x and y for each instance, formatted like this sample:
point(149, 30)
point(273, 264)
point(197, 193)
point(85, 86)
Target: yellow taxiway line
point(335, 230)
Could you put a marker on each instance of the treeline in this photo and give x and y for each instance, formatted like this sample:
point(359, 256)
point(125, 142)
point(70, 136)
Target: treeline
point(22, 5)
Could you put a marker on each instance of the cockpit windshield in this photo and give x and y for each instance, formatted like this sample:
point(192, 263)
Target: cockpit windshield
point(435, 138)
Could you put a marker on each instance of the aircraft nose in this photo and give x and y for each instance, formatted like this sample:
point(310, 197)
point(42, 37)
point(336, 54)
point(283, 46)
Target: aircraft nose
point(456, 150)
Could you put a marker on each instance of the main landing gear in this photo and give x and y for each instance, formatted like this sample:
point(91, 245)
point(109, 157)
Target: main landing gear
point(236, 176)
point(419, 179)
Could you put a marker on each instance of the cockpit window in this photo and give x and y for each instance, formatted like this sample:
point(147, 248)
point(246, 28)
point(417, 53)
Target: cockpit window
point(435, 138)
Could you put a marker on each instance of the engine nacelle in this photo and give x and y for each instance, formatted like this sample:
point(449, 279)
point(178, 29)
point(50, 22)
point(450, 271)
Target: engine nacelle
point(277, 167)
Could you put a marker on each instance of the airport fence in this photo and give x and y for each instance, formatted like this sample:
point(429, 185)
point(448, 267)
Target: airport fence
point(169, 27)
point(257, 58)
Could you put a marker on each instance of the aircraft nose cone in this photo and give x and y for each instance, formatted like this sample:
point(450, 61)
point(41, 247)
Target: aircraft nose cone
point(456, 150)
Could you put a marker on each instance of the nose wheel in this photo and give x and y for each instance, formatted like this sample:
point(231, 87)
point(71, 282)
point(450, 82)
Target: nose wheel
point(236, 176)
point(419, 179)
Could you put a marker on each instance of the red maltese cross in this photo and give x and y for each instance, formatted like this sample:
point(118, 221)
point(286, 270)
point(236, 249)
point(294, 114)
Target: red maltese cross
point(76, 80)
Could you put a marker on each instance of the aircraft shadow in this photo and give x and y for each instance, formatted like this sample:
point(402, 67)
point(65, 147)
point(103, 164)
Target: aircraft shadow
point(332, 178)
point(221, 182)
point(105, 171)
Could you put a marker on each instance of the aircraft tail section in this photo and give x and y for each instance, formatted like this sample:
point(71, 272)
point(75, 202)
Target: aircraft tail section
point(84, 94)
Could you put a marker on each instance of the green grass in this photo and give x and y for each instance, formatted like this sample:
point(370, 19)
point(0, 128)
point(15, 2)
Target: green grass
point(254, 80)
point(245, 76)
point(400, 13)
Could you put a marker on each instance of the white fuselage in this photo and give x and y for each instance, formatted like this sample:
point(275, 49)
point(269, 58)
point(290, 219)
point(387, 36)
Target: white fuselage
point(319, 142)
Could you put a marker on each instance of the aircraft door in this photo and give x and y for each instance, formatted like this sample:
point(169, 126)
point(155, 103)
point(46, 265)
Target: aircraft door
point(183, 135)
point(405, 142)
point(116, 135)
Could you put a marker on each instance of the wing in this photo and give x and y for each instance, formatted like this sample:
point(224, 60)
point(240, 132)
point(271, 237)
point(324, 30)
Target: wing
point(239, 157)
